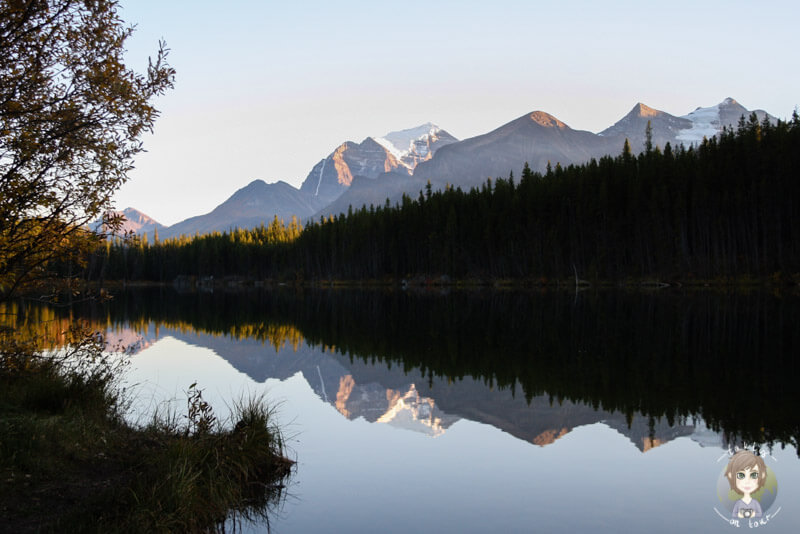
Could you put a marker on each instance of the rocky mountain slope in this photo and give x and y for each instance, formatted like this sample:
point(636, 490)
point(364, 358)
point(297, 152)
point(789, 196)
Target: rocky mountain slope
point(396, 152)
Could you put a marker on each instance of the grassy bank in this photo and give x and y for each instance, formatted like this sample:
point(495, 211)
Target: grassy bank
point(70, 462)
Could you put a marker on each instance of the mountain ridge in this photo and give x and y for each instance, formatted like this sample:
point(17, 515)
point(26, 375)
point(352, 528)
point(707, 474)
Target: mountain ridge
point(255, 204)
point(380, 168)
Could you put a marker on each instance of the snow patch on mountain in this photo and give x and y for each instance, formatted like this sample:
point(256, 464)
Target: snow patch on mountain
point(708, 122)
point(705, 123)
point(411, 411)
point(403, 142)
point(321, 170)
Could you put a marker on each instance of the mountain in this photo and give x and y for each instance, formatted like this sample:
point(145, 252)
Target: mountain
point(256, 203)
point(333, 175)
point(415, 145)
point(536, 138)
point(707, 122)
point(688, 129)
point(665, 127)
point(397, 152)
point(135, 222)
point(402, 162)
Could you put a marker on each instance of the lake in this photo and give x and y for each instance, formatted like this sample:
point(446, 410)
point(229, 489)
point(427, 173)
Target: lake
point(486, 411)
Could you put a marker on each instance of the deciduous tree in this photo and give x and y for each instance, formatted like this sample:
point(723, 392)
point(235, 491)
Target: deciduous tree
point(71, 119)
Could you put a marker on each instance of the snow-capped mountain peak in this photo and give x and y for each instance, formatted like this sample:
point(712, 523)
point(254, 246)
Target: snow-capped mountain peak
point(707, 122)
point(401, 142)
point(413, 145)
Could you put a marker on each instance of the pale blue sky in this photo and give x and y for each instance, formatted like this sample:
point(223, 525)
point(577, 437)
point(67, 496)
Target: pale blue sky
point(267, 89)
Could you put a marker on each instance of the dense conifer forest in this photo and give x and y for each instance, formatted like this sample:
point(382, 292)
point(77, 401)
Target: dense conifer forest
point(729, 207)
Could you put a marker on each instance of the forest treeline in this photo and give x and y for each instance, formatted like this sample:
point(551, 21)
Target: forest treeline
point(727, 207)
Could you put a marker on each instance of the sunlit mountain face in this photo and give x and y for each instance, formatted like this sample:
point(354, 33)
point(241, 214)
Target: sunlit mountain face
point(400, 152)
point(536, 366)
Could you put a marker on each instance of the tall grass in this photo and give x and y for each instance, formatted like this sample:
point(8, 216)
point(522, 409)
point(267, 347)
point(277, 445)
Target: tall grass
point(70, 461)
point(207, 471)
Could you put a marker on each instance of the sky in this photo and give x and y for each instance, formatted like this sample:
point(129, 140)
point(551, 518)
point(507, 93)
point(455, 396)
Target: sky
point(266, 89)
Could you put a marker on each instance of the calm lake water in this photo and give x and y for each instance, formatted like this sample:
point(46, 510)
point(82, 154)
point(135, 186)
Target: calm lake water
point(490, 411)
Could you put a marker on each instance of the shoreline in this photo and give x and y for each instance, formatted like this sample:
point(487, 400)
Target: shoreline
point(777, 282)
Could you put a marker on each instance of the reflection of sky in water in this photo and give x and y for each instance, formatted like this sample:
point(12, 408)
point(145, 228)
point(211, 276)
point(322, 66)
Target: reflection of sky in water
point(356, 476)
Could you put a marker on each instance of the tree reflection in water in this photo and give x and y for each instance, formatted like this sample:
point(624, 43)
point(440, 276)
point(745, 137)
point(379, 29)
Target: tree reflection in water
point(727, 358)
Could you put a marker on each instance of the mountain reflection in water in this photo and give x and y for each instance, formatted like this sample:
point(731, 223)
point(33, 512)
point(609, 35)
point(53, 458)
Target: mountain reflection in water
point(379, 394)
point(455, 412)
point(533, 364)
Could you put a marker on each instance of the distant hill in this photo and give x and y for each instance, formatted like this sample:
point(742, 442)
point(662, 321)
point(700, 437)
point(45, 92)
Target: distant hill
point(254, 204)
point(136, 222)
